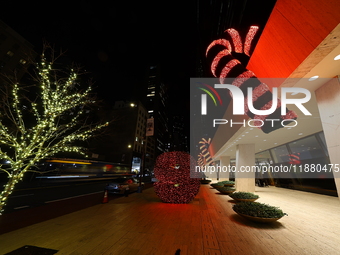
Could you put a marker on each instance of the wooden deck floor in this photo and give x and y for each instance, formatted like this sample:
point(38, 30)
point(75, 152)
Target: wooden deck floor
point(141, 225)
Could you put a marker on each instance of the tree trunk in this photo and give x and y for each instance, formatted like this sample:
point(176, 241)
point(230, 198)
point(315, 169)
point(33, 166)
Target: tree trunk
point(8, 189)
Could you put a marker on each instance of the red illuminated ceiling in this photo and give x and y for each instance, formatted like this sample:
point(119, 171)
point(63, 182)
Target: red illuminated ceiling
point(294, 29)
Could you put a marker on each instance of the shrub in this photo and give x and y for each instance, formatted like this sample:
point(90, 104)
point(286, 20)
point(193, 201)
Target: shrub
point(216, 185)
point(226, 189)
point(228, 182)
point(243, 195)
point(256, 209)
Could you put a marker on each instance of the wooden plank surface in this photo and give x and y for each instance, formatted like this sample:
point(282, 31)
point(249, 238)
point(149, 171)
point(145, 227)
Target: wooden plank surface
point(142, 225)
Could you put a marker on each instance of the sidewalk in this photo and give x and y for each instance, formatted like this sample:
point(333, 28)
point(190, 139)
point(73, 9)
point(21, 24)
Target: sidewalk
point(142, 225)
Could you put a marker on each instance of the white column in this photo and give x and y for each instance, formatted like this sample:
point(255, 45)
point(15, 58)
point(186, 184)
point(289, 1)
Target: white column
point(245, 158)
point(328, 99)
point(224, 163)
point(213, 175)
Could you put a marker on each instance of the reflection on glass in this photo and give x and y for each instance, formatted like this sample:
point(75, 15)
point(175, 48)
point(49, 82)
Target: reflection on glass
point(263, 157)
point(280, 154)
point(306, 148)
point(323, 140)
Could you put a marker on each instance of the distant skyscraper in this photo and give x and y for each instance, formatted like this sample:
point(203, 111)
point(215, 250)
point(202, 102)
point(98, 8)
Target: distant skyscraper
point(124, 140)
point(179, 136)
point(16, 54)
point(156, 105)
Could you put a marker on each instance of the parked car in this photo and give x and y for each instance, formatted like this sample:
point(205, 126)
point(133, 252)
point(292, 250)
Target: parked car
point(122, 185)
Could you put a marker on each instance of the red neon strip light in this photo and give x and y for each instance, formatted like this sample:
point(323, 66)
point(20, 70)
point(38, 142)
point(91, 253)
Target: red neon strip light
point(227, 68)
point(249, 39)
point(235, 36)
point(222, 42)
point(217, 59)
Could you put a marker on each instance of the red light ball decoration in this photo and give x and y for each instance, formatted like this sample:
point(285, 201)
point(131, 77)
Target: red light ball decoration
point(174, 184)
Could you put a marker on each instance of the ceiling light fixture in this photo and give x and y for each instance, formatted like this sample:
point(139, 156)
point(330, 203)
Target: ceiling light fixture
point(337, 57)
point(313, 78)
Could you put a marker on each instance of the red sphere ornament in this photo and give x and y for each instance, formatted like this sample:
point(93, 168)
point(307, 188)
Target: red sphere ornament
point(174, 184)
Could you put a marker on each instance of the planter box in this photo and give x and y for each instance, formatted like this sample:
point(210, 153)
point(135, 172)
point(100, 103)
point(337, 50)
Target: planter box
point(258, 219)
point(244, 199)
point(227, 192)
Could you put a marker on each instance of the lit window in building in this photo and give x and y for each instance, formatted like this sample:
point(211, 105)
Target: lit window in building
point(10, 53)
point(22, 61)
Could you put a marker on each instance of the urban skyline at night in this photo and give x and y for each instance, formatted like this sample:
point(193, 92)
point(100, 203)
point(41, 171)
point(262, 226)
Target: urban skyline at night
point(220, 126)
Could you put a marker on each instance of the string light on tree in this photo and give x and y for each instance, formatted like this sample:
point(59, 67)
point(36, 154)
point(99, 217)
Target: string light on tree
point(32, 129)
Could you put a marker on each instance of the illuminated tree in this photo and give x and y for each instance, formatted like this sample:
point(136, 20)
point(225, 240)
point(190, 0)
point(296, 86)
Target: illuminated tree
point(39, 121)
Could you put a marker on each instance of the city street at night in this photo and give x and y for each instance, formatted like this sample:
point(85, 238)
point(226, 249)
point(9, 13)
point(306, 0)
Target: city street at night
point(36, 195)
point(159, 128)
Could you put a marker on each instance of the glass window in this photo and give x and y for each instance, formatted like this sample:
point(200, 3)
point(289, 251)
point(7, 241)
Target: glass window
point(280, 154)
point(264, 157)
point(321, 135)
point(306, 148)
point(10, 53)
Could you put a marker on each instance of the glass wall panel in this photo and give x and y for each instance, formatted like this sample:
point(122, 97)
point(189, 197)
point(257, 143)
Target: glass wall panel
point(306, 148)
point(263, 157)
point(280, 154)
point(321, 135)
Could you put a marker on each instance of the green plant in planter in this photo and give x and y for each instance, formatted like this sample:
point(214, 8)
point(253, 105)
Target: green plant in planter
point(216, 185)
point(260, 210)
point(243, 195)
point(228, 183)
point(226, 190)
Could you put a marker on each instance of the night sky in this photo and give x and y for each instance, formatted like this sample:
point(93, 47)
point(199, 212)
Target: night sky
point(112, 40)
point(116, 40)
